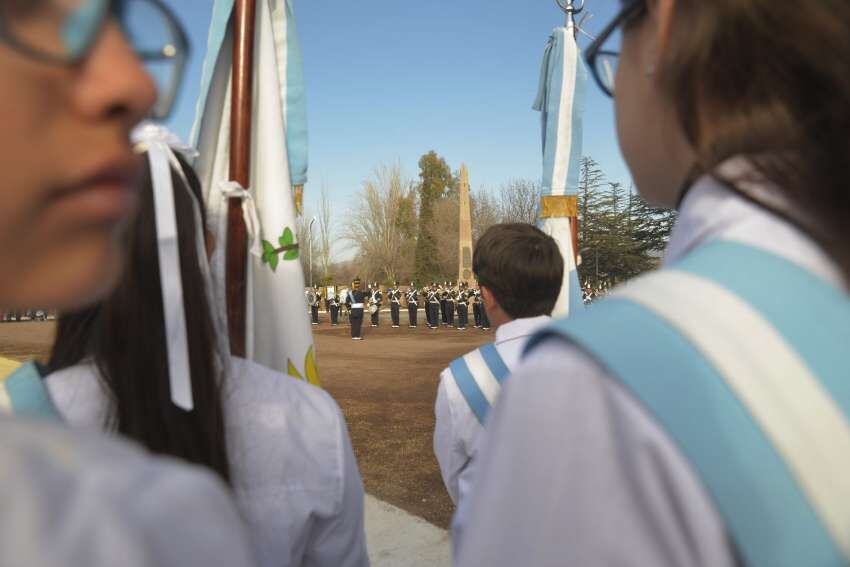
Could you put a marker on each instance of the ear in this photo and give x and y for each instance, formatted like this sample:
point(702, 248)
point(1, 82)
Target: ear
point(489, 299)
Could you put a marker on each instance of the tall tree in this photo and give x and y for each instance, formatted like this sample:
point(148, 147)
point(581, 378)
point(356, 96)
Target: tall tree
point(376, 229)
point(435, 179)
point(446, 230)
point(620, 236)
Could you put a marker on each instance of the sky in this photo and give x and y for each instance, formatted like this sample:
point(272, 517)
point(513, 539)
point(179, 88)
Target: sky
point(389, 80)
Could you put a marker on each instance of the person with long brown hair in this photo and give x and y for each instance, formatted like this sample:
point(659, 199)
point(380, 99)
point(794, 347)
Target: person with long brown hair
point(282, 444)
point(698, 415)
point(73, 87)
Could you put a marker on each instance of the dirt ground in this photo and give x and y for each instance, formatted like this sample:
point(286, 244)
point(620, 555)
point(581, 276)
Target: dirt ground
point(386, 386)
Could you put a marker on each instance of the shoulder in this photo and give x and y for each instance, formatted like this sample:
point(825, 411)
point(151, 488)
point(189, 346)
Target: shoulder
point(449, 390)
point(283, 430)
point(154, 510)
point(79, 395)
point(252, 383)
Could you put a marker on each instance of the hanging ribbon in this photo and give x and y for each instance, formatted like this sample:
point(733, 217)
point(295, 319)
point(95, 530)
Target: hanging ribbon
point(158, 143)
point(233, 190)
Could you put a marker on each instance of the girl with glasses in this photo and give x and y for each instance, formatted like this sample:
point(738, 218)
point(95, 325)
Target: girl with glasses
point(73, 87)
point(699, 415)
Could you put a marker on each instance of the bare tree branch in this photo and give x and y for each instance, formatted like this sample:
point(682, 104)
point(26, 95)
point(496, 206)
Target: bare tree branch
point(520, 200)
point(325, 232)
point(377, 227)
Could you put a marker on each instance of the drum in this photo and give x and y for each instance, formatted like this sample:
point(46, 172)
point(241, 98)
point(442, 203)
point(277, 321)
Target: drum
point(373, 309)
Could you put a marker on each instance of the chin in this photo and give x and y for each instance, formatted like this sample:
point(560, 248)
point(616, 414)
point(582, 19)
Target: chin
point(72, 277)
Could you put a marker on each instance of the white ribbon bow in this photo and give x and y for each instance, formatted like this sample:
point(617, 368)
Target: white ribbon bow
point(160, 145)
point(233, 190)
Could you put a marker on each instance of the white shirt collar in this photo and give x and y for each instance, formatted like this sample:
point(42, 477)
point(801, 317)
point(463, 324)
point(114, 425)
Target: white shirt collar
point(712, 211)
point(520, 328)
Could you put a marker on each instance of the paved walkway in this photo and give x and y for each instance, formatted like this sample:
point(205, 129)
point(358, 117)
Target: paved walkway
point(398, 539)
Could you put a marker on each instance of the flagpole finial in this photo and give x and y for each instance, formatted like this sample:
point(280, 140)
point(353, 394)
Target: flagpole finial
point(571, 8)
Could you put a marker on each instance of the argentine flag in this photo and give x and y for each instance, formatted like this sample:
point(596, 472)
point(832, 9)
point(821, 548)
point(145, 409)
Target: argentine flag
point(278, 333)
point(560, 101)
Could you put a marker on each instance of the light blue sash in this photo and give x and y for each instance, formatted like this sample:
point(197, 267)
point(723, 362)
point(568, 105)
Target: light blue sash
point(771, 519)
point(480, 387)
point(26, 393)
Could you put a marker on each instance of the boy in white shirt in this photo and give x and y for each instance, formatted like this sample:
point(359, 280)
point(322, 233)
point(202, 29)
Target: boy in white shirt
point(520, 270)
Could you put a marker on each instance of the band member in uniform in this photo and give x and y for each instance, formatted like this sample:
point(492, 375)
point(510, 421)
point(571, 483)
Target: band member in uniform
point(485, 319)
point(476, 307)
point(443, 295)
point(315, 299)
point(375, 300)
point(451, 298)
point(462, 307)
point(434, 307)
point(507, 261)
point(395, 305)
point(355, 302)
point(412, 306)
point(333, 307)
point(424, 293)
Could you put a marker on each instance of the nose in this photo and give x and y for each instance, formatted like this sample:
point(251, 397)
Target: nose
point(113, 83)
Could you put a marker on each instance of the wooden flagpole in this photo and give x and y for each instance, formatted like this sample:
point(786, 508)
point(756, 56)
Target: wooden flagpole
point(240, 170)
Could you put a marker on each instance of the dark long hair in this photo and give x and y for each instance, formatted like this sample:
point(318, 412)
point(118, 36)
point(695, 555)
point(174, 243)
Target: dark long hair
point(124, 336)
point(768, 79)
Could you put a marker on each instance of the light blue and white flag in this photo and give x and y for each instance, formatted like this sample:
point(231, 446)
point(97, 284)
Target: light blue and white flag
point(278, 333)
point(560, 101)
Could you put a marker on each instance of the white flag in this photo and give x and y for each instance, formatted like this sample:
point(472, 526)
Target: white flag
point(278, 332)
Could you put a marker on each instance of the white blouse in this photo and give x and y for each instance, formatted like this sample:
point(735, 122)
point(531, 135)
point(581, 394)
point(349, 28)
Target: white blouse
point(292, 466)
point(457, 430)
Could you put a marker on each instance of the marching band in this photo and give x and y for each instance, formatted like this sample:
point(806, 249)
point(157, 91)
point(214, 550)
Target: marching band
point(445, 305)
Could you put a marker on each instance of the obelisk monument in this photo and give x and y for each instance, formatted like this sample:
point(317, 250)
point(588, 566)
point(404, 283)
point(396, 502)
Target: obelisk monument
point(465, 256)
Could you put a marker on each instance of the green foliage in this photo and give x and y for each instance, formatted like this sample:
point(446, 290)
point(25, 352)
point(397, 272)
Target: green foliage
point(435, 180)
point(620, 235)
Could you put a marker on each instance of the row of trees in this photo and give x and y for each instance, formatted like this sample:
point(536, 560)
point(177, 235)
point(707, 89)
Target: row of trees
point(620, 234)
point(407, 230)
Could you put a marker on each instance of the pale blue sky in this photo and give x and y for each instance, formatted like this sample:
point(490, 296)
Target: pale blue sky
point(389, 80)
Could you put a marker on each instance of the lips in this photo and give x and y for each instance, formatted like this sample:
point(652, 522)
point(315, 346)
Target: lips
point(108, 194)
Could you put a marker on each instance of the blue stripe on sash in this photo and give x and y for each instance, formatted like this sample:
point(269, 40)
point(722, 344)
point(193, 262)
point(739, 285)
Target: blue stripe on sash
point(494, 362)
point(295, 106)
point(470, 390)
point(822, 340)
point(768, 516)
point(28, 394)
point(576, 297)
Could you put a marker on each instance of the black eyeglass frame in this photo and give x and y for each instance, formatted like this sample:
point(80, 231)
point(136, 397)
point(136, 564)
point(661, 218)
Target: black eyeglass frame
point(631, 9)
point(180, 56)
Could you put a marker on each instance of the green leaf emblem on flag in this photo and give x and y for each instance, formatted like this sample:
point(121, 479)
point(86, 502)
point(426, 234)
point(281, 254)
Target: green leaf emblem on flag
point(288, 247)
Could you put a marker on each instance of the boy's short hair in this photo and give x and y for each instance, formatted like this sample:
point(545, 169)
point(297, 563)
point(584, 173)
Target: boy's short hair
point(521, 266)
